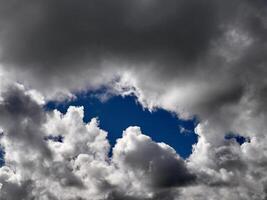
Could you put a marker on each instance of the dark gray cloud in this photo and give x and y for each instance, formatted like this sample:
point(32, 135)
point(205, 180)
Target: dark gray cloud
point(61, 46)
point(60, 41)
point(21, 119)
point(47, 32)
point(14, 191)
point(163, 195)
point(205, 58)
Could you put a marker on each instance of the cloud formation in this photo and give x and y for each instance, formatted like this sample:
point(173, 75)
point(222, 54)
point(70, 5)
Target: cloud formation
point(201, 58)
point(79, 166)
point(62, 46)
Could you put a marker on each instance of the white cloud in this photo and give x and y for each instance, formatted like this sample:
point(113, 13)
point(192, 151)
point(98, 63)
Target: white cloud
point(79, 166)
point(211, 65)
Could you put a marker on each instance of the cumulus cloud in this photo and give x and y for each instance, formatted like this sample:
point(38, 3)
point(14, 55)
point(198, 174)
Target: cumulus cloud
point(78, 166)
point(194, 58)
point(150, 160)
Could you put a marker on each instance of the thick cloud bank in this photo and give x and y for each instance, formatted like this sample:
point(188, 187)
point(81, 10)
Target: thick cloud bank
point(204, 58)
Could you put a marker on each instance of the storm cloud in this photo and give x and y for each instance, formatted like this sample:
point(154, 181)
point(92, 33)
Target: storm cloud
point(203, 59)
point(72, 45)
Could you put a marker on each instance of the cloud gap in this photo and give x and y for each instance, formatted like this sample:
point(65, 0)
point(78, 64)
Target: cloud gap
point(237, 138)
point(117, 113)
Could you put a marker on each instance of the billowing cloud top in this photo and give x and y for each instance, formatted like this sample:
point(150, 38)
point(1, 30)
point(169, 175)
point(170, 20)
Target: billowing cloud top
point(202, 58)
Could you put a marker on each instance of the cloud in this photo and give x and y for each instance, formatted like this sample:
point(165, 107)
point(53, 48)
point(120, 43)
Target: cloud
point(61, 29)
point(21, 119)
point(194, 58)
point(226, 168)
point(64, 46)
point(78, 167)
point(157, 162)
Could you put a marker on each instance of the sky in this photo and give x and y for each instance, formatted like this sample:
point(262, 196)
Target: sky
point(182, 115)
point(118, 113)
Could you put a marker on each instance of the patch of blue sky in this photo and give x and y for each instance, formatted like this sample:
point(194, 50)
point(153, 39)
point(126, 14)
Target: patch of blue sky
point(2, 160)
point(236, 137)
point(118, 113)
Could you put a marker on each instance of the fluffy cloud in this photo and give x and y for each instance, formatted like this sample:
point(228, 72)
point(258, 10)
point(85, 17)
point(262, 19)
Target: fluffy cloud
point(150, 166)
point(78, 166)
point(195, 58)
point(136, 151)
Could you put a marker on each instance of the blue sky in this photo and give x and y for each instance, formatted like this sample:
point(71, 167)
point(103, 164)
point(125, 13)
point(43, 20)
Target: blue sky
point(1, 157)
point(118, 113)
point(238, 138)
point(200, 58)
